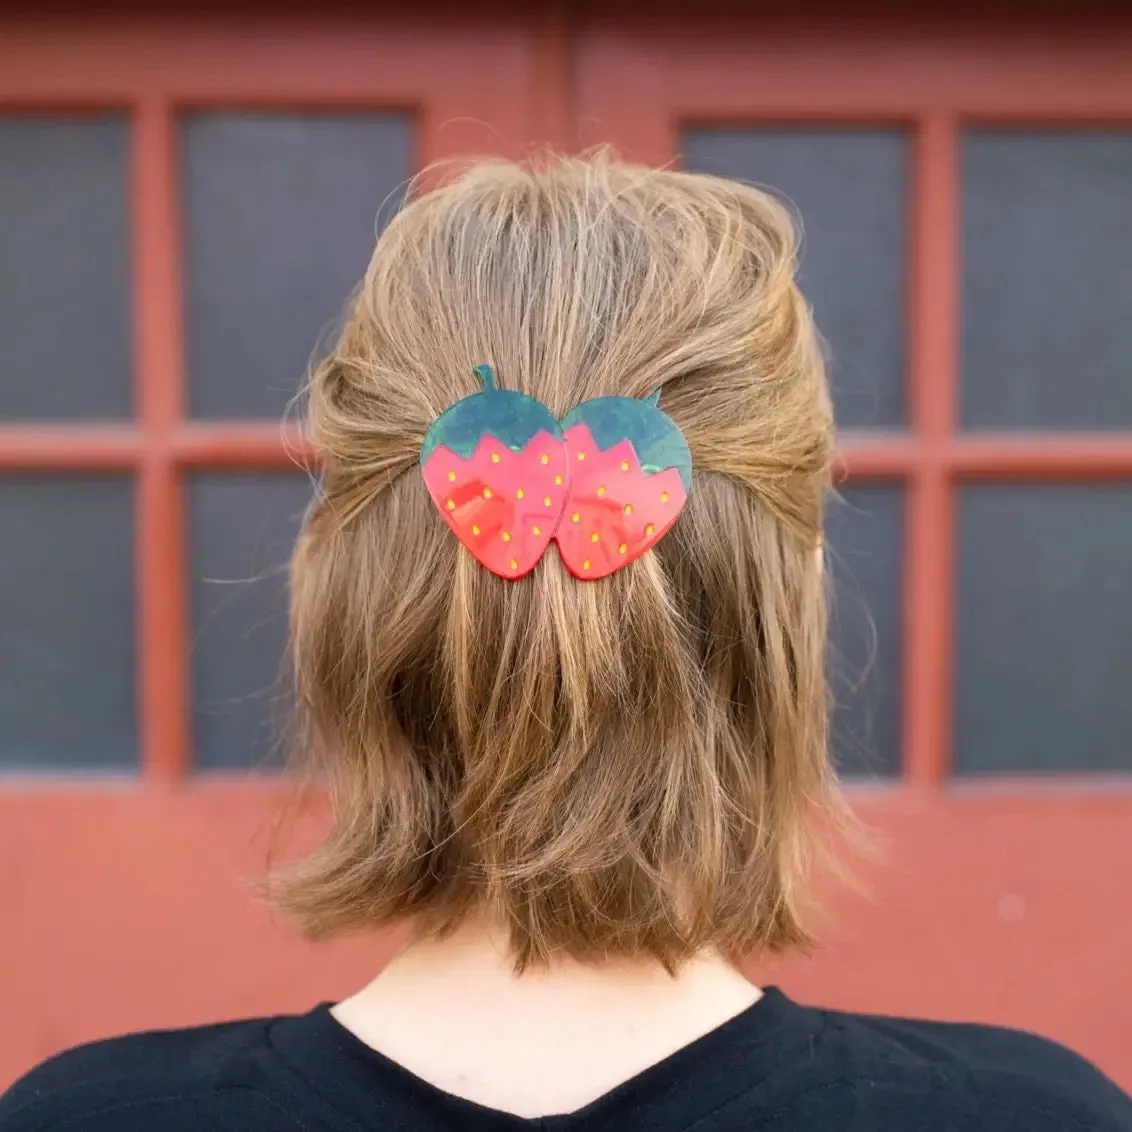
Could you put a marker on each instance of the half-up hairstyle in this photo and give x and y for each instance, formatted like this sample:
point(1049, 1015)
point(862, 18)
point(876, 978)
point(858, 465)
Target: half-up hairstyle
point(625, 767)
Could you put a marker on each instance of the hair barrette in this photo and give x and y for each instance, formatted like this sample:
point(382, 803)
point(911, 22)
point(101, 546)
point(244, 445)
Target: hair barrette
point(605, 483)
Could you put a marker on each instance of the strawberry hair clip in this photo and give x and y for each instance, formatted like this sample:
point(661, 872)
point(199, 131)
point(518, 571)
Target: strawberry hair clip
point(605, 483)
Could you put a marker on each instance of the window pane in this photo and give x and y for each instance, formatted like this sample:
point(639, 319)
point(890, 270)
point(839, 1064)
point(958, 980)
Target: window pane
point(64, 268)
point(1045, 629)
point(864, 555)
point(281, 214)
point(1047, 341)
point(242, 529)
point(850, 187)
point(67, 671)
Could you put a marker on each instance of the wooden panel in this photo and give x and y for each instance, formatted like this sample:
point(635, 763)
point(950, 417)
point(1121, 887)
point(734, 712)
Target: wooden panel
point(64, 274)
point(464, 86)
point(778, 70)
point(983, 890)
point(160, 397)
point(1003, 896)
point(67, 693)
point(989, 907)
point(468, 80)
point(641, 88)
point(241, 529)
point(850, 186)
point(281, 211)
point(1043, 629)
point(864, 566)
point(1047, 348)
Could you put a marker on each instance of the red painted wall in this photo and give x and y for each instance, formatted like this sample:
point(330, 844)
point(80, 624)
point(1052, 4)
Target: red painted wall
point(127, 908)
point(127, 905)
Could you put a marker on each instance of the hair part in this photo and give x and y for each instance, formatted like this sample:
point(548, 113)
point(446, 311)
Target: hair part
point(629, 767)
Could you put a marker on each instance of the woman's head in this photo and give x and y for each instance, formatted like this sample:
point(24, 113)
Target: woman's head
point(622, 767)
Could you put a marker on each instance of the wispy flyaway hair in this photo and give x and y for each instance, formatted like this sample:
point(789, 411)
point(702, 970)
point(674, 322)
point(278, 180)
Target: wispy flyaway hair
point(626, 767)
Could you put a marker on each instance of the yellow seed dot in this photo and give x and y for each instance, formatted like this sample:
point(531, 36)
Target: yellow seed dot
point(628, 508)
point(451, 505)
point(487, 493)
point(586, 564)
point(664, 497)
point(594, 537)
point(546, 500)
point(514, 564)
point(622, 548)
point(495, 457)
point(536, 530)
point(506, 536)
point(649, 529)
point(601, 491)
point(558, 480)
point(581, 455)
point(451, 477)
point(519, 493)
point(624, 465)
point(575, 518)
point(475, 529)
point(544, 459)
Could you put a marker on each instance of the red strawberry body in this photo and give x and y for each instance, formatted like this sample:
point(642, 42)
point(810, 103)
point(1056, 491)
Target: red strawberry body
point(495, 467)
point(606, 483)
point(616, 510)
point(501, 504)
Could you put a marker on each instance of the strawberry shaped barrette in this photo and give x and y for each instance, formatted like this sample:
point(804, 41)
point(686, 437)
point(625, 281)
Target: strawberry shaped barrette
point(630, 472)
point(605, 483)
point(495, 466)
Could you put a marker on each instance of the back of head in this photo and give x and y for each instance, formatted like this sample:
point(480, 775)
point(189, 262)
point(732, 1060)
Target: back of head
point(620, 767)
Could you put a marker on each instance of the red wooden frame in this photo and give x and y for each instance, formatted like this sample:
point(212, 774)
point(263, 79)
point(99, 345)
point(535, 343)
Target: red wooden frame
point(629, 84)
point(136, 883)
point(465, 86)
point(638, 85)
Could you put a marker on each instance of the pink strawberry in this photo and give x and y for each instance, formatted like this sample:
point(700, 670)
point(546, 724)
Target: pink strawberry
point(630, 470)
point(495, 466)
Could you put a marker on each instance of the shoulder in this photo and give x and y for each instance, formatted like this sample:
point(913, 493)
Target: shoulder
point(209, 1077)
point(987, 1077)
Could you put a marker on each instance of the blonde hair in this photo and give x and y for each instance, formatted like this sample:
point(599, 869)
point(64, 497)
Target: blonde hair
point(629, 767)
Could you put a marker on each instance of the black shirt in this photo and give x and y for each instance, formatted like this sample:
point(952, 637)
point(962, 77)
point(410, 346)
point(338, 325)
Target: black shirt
point(776, 1066)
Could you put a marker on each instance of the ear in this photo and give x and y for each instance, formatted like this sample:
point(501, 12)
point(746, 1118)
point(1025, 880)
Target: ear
point(653, 399)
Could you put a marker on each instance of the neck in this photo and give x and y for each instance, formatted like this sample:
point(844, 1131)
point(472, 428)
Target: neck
point(607, 1020)
point(476, 964)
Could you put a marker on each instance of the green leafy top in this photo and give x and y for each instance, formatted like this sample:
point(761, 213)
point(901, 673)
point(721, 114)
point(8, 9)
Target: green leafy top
point(655, 436)
point(513, 418)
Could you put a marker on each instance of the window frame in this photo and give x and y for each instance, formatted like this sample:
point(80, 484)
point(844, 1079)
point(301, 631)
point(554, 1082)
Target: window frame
point(640, 84)
point(494, 85)
point(153, 69)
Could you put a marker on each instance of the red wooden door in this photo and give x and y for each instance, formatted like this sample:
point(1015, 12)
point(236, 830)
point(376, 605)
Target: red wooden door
point(1001, 894)
point(124, 864)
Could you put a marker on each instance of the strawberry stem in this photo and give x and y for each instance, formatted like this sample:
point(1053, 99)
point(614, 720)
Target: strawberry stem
point(487, 375)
